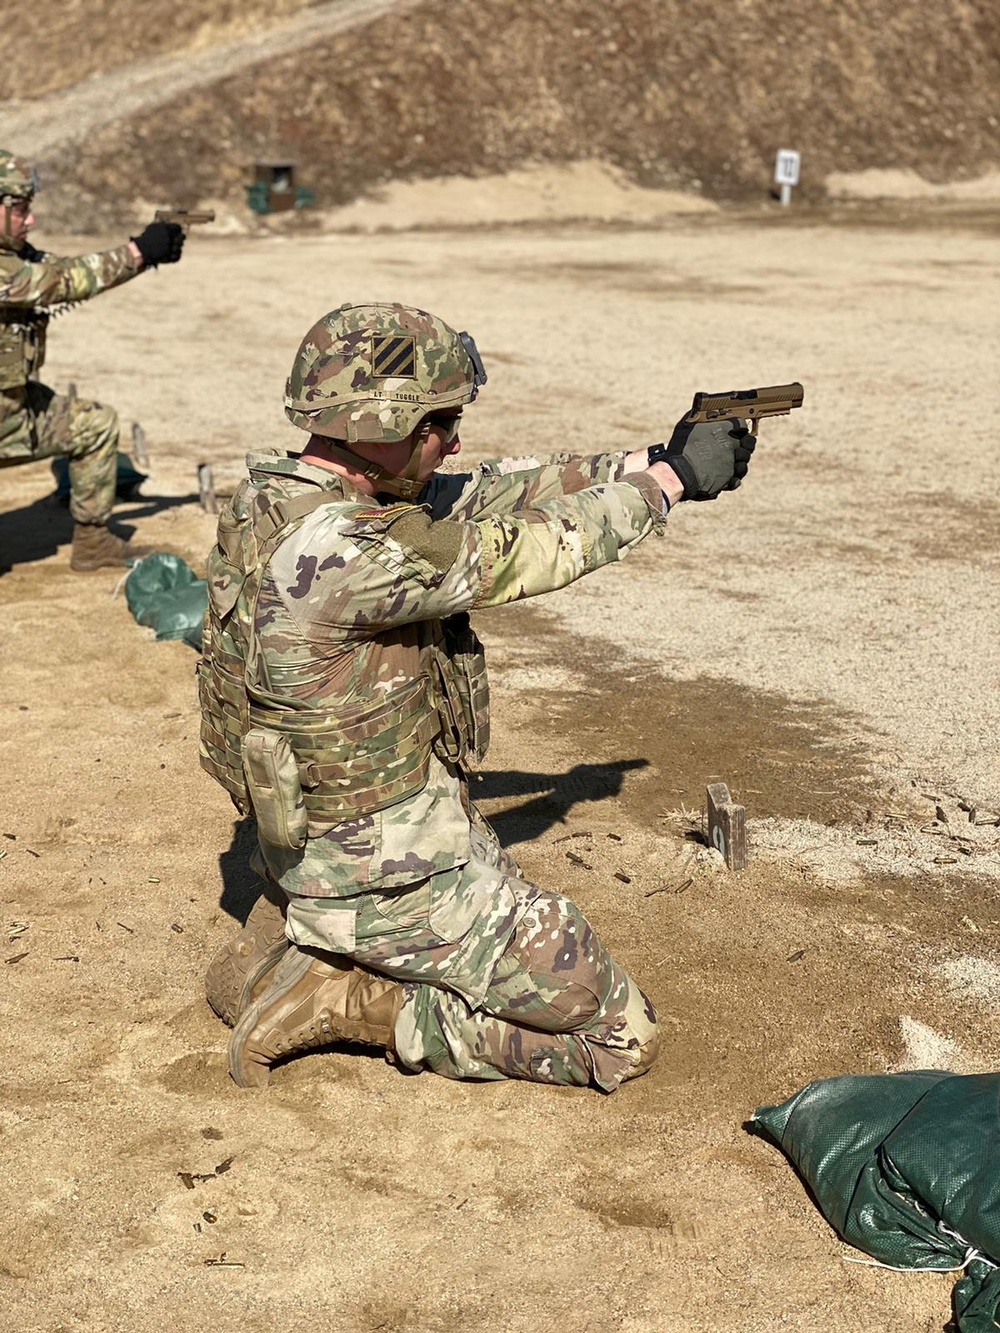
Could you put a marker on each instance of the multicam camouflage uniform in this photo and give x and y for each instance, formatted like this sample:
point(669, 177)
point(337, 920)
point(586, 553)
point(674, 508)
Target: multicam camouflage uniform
point(35, 422)
point(350, 617)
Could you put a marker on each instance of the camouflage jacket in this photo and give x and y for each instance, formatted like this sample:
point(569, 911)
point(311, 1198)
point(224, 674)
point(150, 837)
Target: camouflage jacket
point(353, 607)
point(33, 287)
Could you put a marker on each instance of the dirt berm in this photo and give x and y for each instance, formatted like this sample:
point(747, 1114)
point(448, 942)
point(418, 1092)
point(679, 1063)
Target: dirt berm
point(682, 94)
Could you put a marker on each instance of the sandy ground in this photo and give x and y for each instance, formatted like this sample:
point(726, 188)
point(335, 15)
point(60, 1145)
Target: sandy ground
point(892, 183)
point(574, 191)
point(824, 640)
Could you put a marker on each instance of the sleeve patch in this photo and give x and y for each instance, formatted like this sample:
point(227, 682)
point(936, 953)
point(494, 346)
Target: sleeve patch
point(439, 543)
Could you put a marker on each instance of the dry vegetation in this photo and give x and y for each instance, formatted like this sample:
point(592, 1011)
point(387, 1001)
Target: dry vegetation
point(679, 93)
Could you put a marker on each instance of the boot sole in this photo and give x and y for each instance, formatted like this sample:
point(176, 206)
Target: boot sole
point(247, 1073)
point(232, 983)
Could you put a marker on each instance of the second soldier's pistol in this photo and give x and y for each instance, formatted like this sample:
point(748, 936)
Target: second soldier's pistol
point(184, 217)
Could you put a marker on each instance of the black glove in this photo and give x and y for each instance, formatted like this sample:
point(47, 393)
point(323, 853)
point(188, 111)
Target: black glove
point(708, 457)
point(161, 243)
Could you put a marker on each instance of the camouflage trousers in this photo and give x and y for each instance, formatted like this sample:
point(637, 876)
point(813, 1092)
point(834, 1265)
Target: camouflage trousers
point(502, 979)
point(36, 422)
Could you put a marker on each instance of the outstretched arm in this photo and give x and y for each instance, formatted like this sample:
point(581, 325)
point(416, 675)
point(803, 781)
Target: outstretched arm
point(506, 485)
point(39, 281)
point(48, 282)
point(340, 576)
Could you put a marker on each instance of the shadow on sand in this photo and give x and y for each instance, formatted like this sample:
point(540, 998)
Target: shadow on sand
point(38, 530)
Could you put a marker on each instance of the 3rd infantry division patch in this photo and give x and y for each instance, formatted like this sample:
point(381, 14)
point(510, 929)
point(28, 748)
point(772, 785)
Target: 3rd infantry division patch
point(394, 356)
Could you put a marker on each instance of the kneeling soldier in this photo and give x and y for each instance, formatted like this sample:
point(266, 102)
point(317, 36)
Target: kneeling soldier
point(35, 422)
point(344, 699)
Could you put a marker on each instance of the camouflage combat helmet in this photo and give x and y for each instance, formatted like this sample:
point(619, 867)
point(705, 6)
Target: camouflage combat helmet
point(18, 178)
point(372, 373)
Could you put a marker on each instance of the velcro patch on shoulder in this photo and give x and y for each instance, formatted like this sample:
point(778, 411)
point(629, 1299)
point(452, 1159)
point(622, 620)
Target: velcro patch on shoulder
point(436, 542)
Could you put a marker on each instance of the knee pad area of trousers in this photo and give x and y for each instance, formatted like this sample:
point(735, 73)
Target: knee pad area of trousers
point(94, 426)
point(641, 1018)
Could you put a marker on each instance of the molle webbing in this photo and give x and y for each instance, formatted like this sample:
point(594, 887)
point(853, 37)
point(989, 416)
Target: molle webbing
point(351, 762)
point(22, 345)
point(358, 760)
point(223, 724)
point(222, 690)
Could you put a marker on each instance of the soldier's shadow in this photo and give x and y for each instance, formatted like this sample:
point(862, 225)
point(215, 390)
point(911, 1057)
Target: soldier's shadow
point(241, 887)
point(39, 529)
point(553, 795)
point(33, 532)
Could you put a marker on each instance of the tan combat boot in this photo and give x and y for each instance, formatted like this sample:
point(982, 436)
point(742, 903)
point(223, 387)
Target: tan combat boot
point(241, 970)
point(314, 999)
point(95, 546)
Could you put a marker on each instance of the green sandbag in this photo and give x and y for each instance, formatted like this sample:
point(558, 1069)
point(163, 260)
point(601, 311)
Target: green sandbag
point(164, 592)
point(907, 1168)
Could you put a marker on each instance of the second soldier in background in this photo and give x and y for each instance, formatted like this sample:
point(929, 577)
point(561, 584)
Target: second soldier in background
point(35, 421)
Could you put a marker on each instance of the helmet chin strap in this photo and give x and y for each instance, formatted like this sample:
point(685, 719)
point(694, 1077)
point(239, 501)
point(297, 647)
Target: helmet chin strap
point(406, 486)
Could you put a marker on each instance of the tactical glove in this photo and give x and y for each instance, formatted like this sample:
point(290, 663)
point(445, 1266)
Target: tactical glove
point(709, 457)
point(161, 243)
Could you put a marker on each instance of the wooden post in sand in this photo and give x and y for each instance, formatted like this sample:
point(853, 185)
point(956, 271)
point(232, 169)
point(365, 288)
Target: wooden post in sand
point(206, 489)
point(727, 826)
point(139, 449)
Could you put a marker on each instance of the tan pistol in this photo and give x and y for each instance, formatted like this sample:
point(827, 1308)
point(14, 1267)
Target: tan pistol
point(185, 217)
point(750, 404)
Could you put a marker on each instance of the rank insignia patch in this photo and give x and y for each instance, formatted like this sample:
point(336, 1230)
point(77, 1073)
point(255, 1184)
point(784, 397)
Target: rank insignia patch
point(394, 356)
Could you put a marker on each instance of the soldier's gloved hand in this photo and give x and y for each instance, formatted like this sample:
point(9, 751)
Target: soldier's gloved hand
point(710, 457)
point(160, 243)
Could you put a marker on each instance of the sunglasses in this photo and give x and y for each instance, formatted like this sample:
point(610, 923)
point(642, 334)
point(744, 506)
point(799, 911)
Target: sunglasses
point(449, 422)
